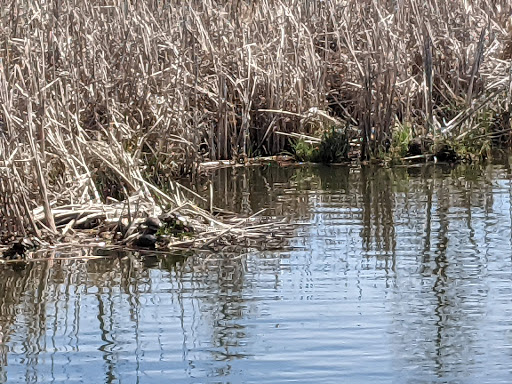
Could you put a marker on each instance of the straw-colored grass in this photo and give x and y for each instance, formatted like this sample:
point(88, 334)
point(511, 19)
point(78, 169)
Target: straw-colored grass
point(97, 96)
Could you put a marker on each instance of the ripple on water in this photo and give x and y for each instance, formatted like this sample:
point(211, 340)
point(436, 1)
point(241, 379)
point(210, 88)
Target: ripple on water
point(392, 276)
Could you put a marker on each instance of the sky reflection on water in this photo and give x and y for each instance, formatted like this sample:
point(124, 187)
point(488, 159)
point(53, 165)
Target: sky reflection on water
point(392, 276)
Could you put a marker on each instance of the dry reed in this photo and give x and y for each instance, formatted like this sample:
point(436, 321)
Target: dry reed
point(97, 96)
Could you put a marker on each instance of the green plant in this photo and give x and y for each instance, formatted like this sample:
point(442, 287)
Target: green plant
point(305, 151)
point(334, 147)
point(402, 136)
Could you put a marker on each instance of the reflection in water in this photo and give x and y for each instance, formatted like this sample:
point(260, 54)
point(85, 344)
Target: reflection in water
point(393, 275)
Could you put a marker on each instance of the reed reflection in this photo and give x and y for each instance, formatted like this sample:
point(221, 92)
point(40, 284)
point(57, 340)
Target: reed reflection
point(430, 228)
point(442, 300)
point(409, 253)
point(212, 289)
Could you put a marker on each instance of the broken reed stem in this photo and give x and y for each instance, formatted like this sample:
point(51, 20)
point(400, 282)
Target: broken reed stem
point(477, 61)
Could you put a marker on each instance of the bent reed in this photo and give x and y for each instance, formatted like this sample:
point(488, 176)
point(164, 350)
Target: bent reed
point(103, 102)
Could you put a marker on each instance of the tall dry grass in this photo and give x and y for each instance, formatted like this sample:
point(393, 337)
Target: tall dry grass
point(98, 95)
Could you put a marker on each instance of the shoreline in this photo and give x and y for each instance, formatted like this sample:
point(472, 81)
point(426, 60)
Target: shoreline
point(230, 229)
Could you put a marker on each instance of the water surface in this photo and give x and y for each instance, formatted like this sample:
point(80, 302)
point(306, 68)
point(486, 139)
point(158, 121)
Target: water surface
point(391, 276)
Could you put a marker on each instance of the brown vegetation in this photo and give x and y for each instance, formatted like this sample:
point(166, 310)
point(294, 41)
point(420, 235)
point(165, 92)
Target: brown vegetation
point(98, 98)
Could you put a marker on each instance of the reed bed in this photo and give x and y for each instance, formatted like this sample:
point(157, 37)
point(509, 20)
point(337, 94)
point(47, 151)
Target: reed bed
point(104, 100)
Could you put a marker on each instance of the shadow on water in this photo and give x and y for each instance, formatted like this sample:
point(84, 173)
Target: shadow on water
point(397, 275)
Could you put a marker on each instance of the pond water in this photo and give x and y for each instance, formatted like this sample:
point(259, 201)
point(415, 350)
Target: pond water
point(391, 275)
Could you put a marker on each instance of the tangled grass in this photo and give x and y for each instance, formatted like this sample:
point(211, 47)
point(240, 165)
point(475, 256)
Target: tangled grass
point(103, 99)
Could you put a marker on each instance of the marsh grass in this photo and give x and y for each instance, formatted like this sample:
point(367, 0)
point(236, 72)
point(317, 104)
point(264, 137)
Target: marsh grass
point(402, 137)
point(334, 147)
point(109, 98)
point(305, 151)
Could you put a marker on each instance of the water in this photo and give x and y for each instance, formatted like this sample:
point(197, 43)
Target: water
point(391, 276)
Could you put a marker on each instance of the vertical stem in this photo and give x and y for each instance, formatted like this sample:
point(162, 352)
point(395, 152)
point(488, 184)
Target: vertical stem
point(39, 172)
point(427, 62)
